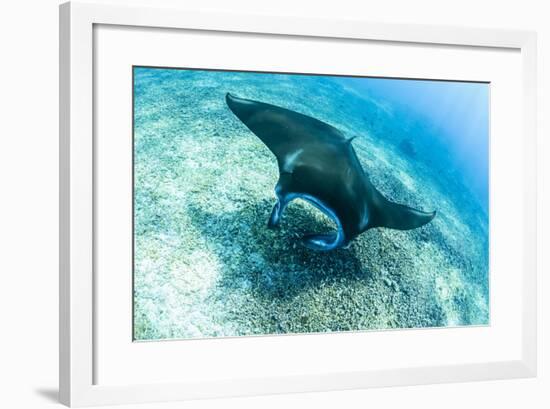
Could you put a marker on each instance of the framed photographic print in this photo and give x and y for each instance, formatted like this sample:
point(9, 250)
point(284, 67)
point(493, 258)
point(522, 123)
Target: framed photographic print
point(254, 204)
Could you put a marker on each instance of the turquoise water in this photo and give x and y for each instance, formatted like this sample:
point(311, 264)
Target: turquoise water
point(205, 265)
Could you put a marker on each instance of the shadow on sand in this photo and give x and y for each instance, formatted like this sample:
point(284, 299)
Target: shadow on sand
point(269, 282)
point(273, 262)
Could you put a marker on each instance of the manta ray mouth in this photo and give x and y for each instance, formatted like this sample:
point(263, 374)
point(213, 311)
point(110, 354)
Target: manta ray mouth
point(320, 242)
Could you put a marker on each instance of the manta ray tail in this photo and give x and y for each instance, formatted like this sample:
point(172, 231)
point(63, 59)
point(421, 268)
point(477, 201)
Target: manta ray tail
point(401, 217)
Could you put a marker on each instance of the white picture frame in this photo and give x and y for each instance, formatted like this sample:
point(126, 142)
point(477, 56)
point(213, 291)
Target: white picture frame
point(78, 386)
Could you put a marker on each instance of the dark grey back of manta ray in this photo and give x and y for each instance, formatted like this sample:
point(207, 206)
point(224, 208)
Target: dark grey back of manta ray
point(318, 163)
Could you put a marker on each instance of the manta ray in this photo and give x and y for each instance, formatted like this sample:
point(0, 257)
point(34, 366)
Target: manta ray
point(318, 164)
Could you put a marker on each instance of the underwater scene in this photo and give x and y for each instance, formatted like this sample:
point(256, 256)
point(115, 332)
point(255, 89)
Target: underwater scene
point(269, 203)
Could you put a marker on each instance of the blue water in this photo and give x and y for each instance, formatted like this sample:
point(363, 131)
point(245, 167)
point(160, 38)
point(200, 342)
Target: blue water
point(456, 115)
point(205, 265)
